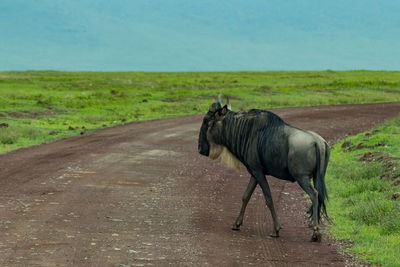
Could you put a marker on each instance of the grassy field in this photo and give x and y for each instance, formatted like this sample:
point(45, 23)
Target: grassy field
point(364, 184)
point(39, 106)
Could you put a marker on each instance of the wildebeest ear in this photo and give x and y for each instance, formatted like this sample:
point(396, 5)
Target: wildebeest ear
point(228, 103)
point(222, 112)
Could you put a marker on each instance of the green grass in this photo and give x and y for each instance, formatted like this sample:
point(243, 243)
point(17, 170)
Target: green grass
point(49, 103)
point(363, 176)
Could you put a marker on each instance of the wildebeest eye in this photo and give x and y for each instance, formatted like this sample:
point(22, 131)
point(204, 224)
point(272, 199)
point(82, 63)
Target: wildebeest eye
point(210, 119)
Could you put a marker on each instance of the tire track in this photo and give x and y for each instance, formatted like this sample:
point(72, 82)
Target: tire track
point(273, 249)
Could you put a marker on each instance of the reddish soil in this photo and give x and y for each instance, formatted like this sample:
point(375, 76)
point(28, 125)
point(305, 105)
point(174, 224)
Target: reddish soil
point(140, 194)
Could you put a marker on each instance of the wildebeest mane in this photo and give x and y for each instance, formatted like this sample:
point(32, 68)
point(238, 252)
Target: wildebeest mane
point(242, 126)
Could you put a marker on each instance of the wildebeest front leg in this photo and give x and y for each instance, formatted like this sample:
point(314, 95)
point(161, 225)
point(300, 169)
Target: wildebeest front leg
point(245, 199)
point(268, 198)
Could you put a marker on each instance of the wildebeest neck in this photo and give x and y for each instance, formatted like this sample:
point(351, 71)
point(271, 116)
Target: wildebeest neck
point(243, 130)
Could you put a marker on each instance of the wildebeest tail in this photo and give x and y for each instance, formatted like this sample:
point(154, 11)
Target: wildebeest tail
point(322, 164)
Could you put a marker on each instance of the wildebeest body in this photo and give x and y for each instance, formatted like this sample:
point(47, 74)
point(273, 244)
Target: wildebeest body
point(253, 137)
point(261, 139)
point(266, 145)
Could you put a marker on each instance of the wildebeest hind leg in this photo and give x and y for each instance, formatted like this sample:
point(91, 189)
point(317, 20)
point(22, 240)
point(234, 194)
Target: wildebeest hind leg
point(245, 199)
point(268, 199)
point(305, 183)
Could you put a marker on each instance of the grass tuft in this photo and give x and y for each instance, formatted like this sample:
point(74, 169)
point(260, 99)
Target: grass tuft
point(9, 136)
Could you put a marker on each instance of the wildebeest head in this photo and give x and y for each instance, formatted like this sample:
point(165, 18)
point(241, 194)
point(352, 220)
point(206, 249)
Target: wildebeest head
point(210, 131)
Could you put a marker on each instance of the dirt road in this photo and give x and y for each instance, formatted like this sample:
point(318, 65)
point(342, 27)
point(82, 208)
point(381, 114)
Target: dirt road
point(140, 194)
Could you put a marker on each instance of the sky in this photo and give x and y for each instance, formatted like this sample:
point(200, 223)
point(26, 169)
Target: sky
point(201, 35)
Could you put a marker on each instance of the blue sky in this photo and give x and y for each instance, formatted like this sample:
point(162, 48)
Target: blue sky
point(201, 35)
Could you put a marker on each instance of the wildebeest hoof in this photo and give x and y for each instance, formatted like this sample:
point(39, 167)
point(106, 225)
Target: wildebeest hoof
point(275, 232)
point(235, 227)
point(316, 237)
point(274, 235)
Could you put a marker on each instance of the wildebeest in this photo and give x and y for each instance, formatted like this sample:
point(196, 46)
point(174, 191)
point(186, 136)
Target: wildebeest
point(266, 145)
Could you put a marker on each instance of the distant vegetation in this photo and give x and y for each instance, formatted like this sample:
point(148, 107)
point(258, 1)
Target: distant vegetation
point(38, 106)
point(364, 184)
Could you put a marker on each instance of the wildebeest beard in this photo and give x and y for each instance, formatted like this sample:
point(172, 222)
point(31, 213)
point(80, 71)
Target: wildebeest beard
point(227, 158)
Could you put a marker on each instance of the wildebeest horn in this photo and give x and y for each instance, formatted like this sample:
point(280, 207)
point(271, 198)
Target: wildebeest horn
point(219, 99)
